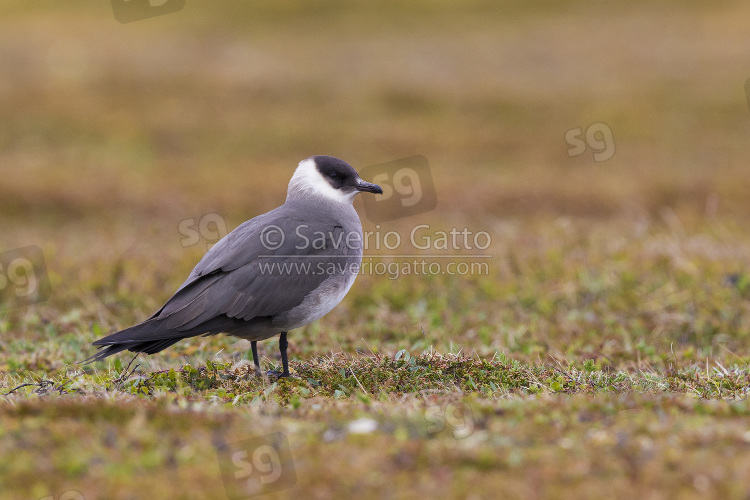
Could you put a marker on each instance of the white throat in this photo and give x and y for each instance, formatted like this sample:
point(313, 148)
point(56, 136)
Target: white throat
point(308, 183)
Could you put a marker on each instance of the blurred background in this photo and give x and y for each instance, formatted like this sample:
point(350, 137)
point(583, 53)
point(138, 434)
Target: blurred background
point(112, 135)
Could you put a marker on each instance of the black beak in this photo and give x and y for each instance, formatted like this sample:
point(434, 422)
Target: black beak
point(368, 186)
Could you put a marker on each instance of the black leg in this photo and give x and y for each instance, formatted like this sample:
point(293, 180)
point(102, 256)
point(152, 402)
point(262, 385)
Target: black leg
point(283, 344)
point(254, 347)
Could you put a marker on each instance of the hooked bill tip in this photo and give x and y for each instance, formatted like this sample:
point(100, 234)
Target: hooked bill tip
point(369, 187)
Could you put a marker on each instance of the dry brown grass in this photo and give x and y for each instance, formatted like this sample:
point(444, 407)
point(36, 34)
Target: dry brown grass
point(634, 268)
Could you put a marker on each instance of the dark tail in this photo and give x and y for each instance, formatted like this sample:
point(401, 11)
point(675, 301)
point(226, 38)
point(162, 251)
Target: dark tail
point(153, 336)
point(149, 347)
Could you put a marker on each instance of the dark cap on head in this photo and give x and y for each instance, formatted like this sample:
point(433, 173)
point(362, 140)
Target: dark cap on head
point(341, 175)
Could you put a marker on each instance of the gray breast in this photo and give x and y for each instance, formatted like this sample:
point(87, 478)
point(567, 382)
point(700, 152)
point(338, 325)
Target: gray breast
point(340, 267)
point(317, 304)
point(321, 256)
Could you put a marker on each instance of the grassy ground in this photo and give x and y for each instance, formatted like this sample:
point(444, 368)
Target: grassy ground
point(602, 350)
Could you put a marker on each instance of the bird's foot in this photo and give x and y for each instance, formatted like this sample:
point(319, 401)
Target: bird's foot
point(276, 374)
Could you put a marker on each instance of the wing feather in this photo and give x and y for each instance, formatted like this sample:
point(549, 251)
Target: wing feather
point(242, 277)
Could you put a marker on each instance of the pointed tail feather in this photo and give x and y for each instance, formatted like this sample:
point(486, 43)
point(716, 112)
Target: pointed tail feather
point(153, 336)
point(149, 347)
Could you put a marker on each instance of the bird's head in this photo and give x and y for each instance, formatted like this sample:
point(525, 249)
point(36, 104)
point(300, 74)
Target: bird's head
point(328, 178)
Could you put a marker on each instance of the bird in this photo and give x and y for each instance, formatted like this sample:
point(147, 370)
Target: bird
point(276, 272)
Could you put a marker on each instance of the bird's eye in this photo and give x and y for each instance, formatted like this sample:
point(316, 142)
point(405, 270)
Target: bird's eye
point(333, 175)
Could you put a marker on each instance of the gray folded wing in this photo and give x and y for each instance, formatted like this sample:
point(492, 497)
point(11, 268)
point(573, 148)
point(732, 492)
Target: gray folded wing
point(250, 274)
